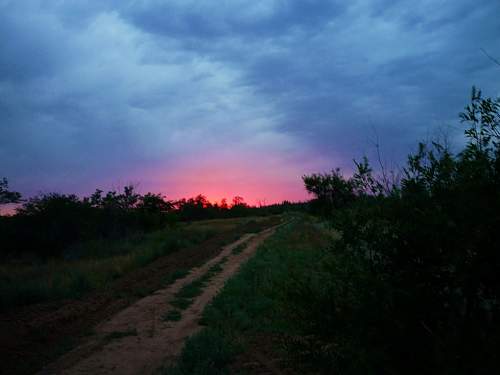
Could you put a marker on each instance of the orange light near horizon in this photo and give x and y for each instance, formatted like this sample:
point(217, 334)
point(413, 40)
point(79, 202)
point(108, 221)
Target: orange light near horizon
point(257, 193)
point(259, 179)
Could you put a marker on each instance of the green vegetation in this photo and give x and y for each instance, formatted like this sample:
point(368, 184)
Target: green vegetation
point(206, 353)
point(252, 303)
point(422, 257)
point(398, 275)
point(119, 334)
point(239, 249)
point(172, 315)
point(61, 246)
point(395, 273)
point(48, 225)
point(7, 196)
point(184, 298)
point(94, 264)
point(171, 278)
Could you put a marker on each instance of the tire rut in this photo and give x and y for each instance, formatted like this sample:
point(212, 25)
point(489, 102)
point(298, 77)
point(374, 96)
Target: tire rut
point(137, 340)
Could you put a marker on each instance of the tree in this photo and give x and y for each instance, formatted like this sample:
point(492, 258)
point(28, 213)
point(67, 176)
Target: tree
point(154, 203)
point(331, 190)
point(223, 204)
point(7, 196)
point(238, 201)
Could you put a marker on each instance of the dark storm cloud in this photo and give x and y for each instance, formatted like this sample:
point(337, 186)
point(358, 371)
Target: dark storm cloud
point(335, 72)
point(28, 52)
point(92, 91)
point(204, 20)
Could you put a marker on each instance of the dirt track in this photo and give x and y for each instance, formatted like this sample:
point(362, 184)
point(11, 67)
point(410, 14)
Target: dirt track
point(144, 342)
point(34, 336)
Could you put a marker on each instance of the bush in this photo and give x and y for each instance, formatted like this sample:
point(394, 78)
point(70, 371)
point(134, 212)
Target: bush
point(206, 353)
point(49, 224)
point(427, 251)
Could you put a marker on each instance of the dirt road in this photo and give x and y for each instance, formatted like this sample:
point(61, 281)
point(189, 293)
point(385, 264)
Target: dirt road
point(36, 335)
point(137, 340)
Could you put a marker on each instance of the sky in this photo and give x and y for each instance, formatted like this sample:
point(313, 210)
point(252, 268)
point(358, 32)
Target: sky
point(230, 97)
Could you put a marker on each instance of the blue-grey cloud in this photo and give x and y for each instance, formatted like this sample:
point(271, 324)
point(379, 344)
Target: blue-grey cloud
point(92, 92)
point(201, 20)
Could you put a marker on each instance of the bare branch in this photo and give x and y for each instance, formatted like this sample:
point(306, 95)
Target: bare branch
point(382, 165)
point(490, 57)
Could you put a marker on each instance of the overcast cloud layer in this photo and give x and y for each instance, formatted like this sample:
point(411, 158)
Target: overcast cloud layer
point(186, 96)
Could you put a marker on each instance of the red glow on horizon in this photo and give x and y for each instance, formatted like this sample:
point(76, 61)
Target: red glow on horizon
point(259, 182)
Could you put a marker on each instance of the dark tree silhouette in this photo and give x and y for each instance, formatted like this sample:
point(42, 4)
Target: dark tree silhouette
point(154, 203)
point(7, 196)
point(238, 201)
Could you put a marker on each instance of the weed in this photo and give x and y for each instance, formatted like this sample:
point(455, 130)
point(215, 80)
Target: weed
point(116, 335)
point(208, 352)
point(239, 249)
point(250, 302)
point(172, 315)
point(181, 303)
point(141, 292)
point(94, 264)
point(184, 297)
point(173, 277)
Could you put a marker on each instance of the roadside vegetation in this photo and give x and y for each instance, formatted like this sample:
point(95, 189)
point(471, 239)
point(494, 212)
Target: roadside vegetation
point(90, 265)
point(423, 255)
point(54, 225)
point(390, 272)
point(94, 264)
point(37, 333)
point(185, 297)
point(59, 246)
point(396, 275)
point(239, 249)
point(250, 311)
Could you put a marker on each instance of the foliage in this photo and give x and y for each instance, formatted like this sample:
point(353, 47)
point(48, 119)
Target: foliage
point(49, 224)
point(332, 190)
point(172, 315)
point(92, 265)
point(185, 297)
point(251, 303)
point(205, 353)
point(199, 208)
point(239, 249)
point(7, 196)
point(424, 261)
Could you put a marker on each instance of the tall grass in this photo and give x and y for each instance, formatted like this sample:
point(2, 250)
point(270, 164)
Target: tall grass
point(90, 265)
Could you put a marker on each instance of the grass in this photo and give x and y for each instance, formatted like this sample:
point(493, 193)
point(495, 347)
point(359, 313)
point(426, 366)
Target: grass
point(25, 281)
point(171, 278)
point(184, 297)
point(172, 315)
point(94, 264)
point(250, 303)
point(239, 249)
point(119, 334)
point(206, 353)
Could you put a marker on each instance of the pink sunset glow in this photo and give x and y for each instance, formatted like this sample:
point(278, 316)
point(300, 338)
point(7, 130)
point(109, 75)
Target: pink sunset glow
point(258, 180)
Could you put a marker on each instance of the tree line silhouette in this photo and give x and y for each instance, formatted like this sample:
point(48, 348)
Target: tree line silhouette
point(47, 224)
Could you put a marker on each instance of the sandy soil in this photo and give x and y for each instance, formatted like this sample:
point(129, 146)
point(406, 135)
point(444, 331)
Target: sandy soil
point(142, 341)
point(34, 336)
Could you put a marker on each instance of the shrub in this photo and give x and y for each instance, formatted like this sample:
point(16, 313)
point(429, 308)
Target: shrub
point(429, 249)
point(206, 353)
